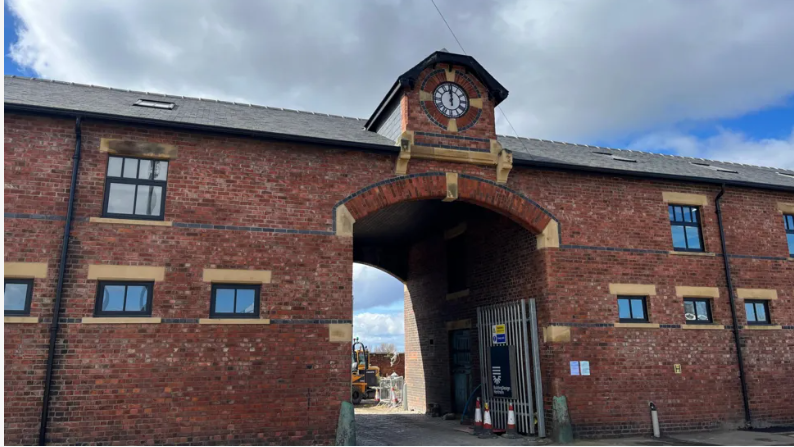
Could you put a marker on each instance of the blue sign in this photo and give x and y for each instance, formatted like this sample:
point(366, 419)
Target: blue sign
point(502, 370)
point(498, 333)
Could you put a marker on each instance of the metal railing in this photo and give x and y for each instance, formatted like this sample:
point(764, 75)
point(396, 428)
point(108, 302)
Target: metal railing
point(521, 331)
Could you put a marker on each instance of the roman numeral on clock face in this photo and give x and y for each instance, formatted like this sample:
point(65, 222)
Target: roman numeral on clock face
point(451, 100)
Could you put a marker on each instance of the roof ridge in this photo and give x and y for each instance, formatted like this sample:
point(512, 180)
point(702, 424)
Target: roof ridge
point(166, 95)
point(651, 153)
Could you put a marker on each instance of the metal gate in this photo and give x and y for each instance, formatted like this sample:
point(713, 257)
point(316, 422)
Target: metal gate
point(520, 326)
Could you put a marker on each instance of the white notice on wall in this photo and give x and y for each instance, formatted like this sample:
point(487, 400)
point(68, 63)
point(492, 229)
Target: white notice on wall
point(584, 365)
point(574, 368)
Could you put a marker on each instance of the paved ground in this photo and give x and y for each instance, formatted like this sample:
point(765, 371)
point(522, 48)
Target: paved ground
point(384, 425)
point(781, 436)
point(380, 426)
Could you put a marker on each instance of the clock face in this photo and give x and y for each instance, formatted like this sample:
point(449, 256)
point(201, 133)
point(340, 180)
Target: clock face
point(451, 100)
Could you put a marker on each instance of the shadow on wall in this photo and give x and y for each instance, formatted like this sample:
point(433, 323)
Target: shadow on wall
point(502, 265)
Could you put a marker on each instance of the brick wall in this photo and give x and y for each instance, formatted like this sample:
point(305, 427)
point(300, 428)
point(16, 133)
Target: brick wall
point(271, 206)
point(383, 361)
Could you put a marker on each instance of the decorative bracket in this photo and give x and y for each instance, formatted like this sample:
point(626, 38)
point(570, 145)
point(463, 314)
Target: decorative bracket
point(504, 162)
point(406, 141)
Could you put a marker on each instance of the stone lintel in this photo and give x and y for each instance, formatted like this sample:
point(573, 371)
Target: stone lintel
point(680, 198)
point(138, 149)
point(785, 208)
point(459, 324)
point(697, 292)
point(632, 289)
point(237, 276)
point(756, 294)
point(125, 272)
point(24, 270)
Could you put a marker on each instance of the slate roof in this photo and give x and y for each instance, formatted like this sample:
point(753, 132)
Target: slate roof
point(91, 101)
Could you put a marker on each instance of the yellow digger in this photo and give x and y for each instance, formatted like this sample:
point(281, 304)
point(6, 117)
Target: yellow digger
point(364, 377)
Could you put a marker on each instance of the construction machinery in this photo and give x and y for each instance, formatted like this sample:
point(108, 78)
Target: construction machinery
point(364, 377)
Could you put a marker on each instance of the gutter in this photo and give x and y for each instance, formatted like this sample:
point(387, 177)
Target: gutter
point(742, 379)
point(56, 313)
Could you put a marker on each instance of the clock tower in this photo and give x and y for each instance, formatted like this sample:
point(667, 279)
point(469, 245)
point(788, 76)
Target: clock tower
point(443, 109)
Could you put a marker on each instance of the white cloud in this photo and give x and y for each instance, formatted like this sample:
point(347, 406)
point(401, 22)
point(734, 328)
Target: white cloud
point(376, 328)
point(375, 288)
point(577, 70)
point(726, 145)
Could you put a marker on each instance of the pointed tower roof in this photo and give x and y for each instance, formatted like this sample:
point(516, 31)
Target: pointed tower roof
point(496, 91)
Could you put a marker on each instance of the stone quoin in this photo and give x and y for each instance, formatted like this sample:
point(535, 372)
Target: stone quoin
point(207, 287)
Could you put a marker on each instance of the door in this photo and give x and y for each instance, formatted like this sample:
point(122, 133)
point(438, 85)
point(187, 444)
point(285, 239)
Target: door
point(460, 363)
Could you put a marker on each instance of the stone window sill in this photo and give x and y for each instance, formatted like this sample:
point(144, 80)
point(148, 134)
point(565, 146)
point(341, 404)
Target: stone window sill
point(763, 327)
point(151, 223)
point(691, 253)
point(20, 320)
point(122, 320)
point(234, 321)
point(713, 326)
point(637, 325)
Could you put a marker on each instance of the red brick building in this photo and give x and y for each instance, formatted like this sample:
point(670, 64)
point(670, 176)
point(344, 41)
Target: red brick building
point(205, 295)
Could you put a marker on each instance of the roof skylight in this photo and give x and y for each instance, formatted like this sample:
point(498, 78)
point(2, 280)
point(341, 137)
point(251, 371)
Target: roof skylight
point(154, 104)
point(617, 157)
point(715, 168)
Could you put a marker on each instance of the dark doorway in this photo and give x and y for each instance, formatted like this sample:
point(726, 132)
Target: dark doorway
point(460, 364)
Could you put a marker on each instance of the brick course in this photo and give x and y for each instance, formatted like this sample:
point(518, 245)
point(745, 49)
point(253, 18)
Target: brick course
point(271, 205)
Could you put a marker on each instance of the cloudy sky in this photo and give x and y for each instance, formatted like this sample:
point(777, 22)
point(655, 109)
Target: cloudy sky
point(711, 78)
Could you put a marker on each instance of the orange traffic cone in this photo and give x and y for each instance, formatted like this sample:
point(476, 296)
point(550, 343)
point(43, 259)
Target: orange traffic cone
point(377, 395)
point(487, 428)
point(477, 419)
point(512, 433)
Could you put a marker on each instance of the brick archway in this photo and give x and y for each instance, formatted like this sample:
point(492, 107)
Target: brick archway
point(433, 186)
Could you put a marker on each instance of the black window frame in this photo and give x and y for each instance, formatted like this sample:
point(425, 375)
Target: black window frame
point(644, 300)
point(137, 182)
point(708, 311)
point(765, 304)
point(788, 224)
point(257, 288)
point(28, 297)
point(100, 288)
point(683, 223)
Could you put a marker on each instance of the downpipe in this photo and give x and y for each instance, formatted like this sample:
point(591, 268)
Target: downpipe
point(732, 299)
point(56, 313)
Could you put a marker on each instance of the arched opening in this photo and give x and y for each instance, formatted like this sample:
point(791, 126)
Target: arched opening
point(378, 317)
point(481, 249)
